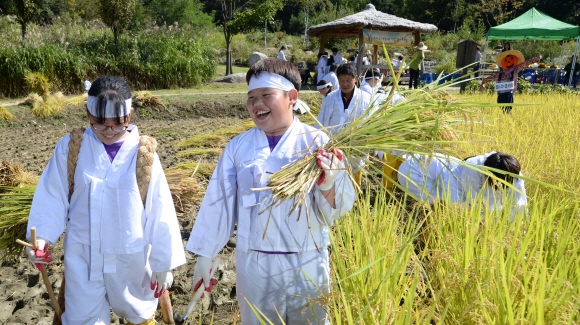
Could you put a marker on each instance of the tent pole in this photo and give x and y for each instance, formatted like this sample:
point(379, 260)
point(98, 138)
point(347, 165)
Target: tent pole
point(574, 62)
point(484, 53)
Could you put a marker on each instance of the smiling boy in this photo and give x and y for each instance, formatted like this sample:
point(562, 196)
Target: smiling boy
point(281, 255)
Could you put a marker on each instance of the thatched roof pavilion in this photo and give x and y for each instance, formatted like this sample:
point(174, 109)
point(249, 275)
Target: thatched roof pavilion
point(370, 18)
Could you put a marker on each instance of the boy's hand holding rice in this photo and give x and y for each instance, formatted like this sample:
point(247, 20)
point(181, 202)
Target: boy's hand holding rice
point(331, 165)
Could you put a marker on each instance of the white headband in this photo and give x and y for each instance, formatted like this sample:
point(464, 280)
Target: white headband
point(109, 109)
point(270, 80)
point(323, 86)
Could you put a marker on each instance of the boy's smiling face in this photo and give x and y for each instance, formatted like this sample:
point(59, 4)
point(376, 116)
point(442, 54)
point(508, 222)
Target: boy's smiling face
point(271, 109)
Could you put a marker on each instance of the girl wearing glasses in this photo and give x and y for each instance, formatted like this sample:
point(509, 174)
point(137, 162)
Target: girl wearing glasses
point(118, 249)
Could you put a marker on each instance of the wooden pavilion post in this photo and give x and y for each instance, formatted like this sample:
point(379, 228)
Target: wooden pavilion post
point(322, 43)
point(375, 54)
point(361, 48)
point(417, 36)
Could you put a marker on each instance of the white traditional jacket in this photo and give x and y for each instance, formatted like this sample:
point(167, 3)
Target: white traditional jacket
point(105, 210)
point(333, 115)
point(464, 181)
point(232, 199)
point(331, 77)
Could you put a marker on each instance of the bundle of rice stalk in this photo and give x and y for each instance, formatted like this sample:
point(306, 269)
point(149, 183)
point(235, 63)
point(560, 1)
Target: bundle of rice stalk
point(15, 206)
point(38, 83)
point(9, 173)
point(77, 100)
point(50, 106)
point(146, 99)
point(5, 114)
point(185, 189)
point(421, 123)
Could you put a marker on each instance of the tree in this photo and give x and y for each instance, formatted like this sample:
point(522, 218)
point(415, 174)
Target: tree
point(26, 11)
point(118, 15)
point(242, 15)
point(499, 11)
point(181, 11)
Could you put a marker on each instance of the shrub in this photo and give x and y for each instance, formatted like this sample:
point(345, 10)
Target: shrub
point(524, 86)
point(472, 87)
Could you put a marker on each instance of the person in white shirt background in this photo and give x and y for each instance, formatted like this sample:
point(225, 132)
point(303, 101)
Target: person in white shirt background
point(331, 76)
point(321, 66)
point(368, 58)
point(281, 54)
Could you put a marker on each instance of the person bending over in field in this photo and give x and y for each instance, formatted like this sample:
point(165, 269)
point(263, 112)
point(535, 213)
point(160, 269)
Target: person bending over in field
point(433, 178)
point(282, 263)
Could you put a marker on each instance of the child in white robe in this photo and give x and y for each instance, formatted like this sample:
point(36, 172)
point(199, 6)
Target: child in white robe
point(118, 251)
point(434, 178)
point(282, 260)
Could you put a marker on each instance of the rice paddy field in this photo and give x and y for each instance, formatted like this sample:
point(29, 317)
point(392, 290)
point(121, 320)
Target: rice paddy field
point(396, 264)
point(393, 261)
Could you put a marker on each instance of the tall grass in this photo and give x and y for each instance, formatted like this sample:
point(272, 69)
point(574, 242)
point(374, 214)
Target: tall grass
point(465, 266)
point(68, 53)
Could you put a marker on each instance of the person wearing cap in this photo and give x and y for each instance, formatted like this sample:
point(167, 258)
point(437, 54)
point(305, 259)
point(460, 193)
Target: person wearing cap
point(511, 63)
point(331, 76)
point(368, 58)
point(321, 66)
point(282, 262)
point(415, 65)
point(119, 249)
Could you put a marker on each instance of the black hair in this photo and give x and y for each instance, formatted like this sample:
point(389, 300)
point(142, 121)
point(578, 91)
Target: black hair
point(113, 89)
point(334, 49)
point(334, 66)
point(346, 69)
point(400, 57)
point(503, 162)
point(283, 47)
point(277, 66)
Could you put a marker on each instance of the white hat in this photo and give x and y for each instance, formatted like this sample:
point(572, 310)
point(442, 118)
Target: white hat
point(421, 46)
point(368, 52)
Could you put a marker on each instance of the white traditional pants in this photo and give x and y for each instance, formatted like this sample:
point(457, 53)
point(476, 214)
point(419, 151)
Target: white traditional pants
point(281, 286)
point(127, 290)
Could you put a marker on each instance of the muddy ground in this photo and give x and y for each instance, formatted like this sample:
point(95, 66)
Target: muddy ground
point(29, 141)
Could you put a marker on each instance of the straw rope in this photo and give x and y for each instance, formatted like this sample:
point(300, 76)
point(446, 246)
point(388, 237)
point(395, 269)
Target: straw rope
point(74, 147)
point(145, 157)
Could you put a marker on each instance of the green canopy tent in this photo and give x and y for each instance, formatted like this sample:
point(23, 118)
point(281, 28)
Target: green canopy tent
point(536, 25)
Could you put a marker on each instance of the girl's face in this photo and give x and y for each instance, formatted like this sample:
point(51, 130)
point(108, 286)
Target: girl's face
point(324, 91)
point(271, 109)
point(109, 135)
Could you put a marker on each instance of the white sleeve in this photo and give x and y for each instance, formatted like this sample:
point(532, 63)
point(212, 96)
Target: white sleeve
point(50, 205)
point(162, 227)
point(218, 214)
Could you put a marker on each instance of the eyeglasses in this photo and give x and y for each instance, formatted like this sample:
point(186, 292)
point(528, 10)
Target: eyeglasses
point(114, 128)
